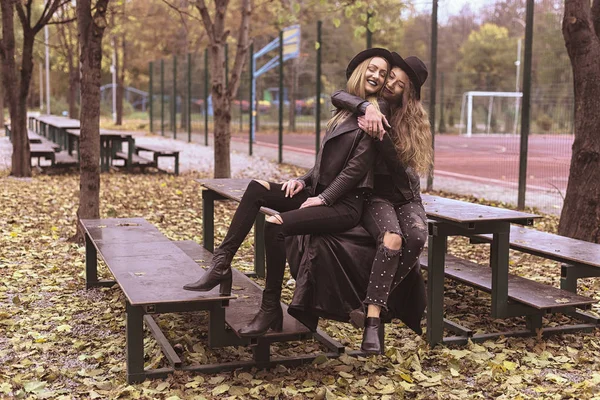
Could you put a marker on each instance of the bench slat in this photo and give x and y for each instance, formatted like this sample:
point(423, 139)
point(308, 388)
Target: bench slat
point(135, 159)
point(522, 290)
point(241, 311)
point(149, 268)
point(555, 247)
point(156, 149)
point(63, 158)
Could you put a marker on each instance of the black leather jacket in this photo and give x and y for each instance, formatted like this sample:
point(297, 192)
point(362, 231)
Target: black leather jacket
point(345, 161)
point(405, 179)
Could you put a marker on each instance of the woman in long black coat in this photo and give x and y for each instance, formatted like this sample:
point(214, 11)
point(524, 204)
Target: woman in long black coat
point(375, 267)
point(328, 199)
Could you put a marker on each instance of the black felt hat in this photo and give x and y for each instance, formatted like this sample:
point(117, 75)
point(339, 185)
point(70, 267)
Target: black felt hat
point(365, 55)
point(414, 68)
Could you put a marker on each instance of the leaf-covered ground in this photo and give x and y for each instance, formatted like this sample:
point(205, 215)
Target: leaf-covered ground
point(58, 340)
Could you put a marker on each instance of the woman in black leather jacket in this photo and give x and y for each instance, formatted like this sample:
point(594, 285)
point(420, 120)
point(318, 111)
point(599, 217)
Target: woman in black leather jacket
point(329, 198)
point(393, 215)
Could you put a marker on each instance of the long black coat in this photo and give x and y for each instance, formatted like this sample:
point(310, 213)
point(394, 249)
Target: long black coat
point(332, 271)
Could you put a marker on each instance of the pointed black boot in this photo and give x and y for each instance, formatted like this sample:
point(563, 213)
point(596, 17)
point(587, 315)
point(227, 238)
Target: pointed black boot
point(218, 273)
point(371, 342)
point(270, 315)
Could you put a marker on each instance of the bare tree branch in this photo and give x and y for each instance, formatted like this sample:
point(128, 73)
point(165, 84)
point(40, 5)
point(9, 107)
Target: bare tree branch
point(182, 13)
point(208, 24)
point(24, 17)
point(242, 48)
point(62, 21)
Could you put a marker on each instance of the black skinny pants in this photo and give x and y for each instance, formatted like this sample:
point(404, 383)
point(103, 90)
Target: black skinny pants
point(390, 267)
point(342, 215)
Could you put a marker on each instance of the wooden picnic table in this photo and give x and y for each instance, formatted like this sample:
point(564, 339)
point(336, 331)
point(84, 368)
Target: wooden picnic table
point(110, 142)
point(447, 218)
point(151, 271)
point(53, 127)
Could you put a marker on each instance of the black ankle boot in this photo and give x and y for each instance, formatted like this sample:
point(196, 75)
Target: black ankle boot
point(218, 273)
point(371, 341)
point(270, 315)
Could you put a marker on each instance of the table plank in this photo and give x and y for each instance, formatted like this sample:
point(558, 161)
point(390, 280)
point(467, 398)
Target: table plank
point(435, 206)
point(552, 246)
point(58, 121)
point(464, 212)
point(148, 266)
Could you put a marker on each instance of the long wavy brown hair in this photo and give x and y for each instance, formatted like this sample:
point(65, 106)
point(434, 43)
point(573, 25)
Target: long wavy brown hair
point(412, 138)
point(356, 86)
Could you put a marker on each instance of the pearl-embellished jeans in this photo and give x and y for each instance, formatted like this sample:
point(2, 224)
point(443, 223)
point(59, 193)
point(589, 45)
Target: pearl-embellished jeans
point(390, 267)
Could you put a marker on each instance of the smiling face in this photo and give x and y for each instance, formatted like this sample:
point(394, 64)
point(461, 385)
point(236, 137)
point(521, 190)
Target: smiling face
point(375, 75)
point(396, 83)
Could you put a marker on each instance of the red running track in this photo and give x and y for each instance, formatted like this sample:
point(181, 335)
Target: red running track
point(492, 159)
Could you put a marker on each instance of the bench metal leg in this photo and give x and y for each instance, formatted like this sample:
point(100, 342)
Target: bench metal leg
point(261, 353)
point(499, 252)
point(135, 344)
point(533, 322)
point(259, 245)
point(176, 163)
point(435, 287)
point(162, 341)
point(218, 333)
point(208, 219)
point(91, 263)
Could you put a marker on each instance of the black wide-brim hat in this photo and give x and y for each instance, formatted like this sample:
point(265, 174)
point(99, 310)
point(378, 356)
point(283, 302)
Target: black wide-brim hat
point(414, 68)
point(365, 55)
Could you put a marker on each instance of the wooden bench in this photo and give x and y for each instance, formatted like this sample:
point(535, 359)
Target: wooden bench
point(136, 160)
point(538, 296)
point(151, 270)
point(579, 259)
point(159, 151)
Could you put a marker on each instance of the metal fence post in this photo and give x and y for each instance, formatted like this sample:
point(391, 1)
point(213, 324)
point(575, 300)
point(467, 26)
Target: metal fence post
point(250, 104)
point(318, 97)
point(162, 97)
point(189, 96)
point(280, 97)
point(174, 116)
point(432, 87)
point(150, 97)
point(206, 97)
point(526, 107)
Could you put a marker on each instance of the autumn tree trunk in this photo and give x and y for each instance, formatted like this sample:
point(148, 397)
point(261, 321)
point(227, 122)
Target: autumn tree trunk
point(222, 94)
point(580, 217)
point(1, 102)
point(120, 71)
point(21, 165)
point(91, 23)
point(17, 85)
point(69, 45)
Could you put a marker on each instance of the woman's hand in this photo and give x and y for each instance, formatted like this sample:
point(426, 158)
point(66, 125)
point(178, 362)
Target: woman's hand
point(312, 202)
point(373, 122)
point(292, 187)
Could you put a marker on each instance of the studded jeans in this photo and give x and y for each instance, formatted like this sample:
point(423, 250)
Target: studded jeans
point(391, 266)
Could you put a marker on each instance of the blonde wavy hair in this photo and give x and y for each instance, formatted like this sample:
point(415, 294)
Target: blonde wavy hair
point(412, 138)
point(356, 86)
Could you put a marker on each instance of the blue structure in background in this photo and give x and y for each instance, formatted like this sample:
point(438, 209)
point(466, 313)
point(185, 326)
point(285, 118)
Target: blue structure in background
point(291, 49)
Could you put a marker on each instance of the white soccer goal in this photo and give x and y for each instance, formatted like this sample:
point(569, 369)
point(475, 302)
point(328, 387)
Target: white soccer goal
point(467, 100)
